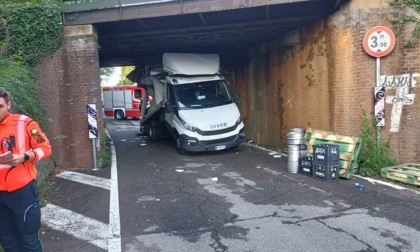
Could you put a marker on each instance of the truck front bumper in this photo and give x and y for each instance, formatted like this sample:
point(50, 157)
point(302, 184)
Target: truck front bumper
point(192, 144)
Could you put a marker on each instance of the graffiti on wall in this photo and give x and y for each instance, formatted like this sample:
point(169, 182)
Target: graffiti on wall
point(401, 84)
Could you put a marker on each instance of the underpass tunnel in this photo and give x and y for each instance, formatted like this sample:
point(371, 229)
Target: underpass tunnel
point(293, 63)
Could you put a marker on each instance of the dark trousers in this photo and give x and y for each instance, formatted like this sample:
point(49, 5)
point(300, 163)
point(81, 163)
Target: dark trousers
point(20, 219)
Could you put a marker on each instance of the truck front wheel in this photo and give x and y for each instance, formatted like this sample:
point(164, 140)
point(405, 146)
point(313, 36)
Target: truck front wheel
point(119, 115)
point(178, 146)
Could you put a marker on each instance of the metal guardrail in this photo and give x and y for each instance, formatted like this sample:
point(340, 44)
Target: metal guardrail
point(69, 6)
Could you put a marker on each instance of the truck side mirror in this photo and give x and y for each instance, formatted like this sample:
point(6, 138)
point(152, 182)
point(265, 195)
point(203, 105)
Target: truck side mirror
point(168, 107)
point(236, 99)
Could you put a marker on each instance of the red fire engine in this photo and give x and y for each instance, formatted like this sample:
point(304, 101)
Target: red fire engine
point(122, 101)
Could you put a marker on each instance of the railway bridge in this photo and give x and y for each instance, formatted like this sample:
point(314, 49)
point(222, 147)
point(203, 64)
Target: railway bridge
point(294, 63)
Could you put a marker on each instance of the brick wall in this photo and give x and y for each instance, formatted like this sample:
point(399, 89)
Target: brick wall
point(67, 82)
point(324, 79)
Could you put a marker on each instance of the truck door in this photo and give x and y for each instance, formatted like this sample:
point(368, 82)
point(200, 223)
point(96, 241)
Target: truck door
point(136, 98)
point(108, 99)
point(128, 100)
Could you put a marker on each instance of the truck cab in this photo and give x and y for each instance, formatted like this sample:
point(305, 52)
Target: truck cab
point(193, 103)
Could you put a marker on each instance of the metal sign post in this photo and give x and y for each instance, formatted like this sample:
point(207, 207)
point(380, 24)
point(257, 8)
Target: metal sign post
point(379, 42)
point(93, 129)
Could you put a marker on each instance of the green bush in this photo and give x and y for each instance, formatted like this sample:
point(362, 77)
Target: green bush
point(19, 80)
point(29, 32)
point(374, 156)
point(105, 158)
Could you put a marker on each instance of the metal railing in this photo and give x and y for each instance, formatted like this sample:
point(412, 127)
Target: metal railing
point(69, 6)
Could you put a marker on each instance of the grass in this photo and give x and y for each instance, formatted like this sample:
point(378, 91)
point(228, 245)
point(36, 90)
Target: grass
point(105, 158)
point(374, 156)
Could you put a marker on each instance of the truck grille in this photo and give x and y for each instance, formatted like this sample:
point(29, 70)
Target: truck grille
point(218, 132)
point(219, 141)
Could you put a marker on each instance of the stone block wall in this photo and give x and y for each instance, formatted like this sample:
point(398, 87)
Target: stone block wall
point(67, 82)
point(325, 79)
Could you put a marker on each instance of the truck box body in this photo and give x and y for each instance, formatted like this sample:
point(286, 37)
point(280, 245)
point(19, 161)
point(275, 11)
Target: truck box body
point(190, 64)
point(193, 103)
point(122, 101)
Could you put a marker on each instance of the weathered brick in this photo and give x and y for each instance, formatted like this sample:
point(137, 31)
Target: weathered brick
point(71, 77)
point(325, 82)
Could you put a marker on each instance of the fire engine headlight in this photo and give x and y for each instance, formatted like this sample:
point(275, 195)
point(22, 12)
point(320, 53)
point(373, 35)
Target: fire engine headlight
point(188, 126)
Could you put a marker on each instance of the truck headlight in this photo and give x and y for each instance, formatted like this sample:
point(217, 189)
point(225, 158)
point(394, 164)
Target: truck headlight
point(188, 126)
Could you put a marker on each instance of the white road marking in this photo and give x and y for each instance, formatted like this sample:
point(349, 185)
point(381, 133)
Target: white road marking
point(145, 198)
point(114, 242)
point(355, 175)
point(86, 179)
point(95, 232)
point(77, 225)
point(261, 148)
point(387, 184)
point(380, 182)
point(272, 172)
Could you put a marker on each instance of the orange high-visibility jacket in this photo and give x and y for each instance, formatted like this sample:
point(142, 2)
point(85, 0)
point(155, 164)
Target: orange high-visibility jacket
point(22, 134)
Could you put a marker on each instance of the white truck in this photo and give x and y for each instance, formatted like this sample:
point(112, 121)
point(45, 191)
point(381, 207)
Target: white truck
point(193, 103)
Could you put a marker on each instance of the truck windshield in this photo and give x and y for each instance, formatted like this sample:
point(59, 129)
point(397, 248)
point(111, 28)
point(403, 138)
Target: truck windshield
point(203, 94)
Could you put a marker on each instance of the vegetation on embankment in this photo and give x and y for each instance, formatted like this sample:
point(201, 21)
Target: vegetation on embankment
point(29, 32)
point(373, 156)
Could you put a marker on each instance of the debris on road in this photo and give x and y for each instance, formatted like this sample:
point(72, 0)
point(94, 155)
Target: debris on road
point(358, 185)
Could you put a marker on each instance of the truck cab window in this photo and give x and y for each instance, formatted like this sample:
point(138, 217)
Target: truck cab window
point(137, 94)
point(203, 94)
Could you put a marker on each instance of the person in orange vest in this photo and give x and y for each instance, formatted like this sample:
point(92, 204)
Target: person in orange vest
point(20, 213)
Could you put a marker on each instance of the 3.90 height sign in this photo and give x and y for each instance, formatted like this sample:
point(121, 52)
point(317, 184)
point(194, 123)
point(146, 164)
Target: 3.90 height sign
point(379, 41)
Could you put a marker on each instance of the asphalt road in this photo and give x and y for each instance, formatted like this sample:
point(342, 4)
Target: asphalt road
point(242, 200)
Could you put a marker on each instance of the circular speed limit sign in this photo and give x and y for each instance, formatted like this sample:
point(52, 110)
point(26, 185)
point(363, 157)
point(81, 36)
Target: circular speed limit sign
point(379, 41)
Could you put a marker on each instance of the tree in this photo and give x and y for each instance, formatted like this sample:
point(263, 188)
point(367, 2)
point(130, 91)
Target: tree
point(125, 71)
point(105, 73)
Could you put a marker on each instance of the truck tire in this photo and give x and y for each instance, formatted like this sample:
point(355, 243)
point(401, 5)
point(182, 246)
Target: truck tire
point(178, 146)
point(119, 115)
point(153, 133)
